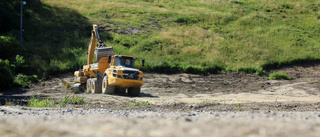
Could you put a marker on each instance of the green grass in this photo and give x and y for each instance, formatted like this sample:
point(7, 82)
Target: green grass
point(279, 76)
point(143, 103)
point(239, 107)
point(50, 102)
point(38, 102)
point(206, 36)
point(246, 36)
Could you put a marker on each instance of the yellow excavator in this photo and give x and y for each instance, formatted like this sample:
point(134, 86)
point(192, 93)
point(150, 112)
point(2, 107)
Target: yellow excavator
point(111, 74)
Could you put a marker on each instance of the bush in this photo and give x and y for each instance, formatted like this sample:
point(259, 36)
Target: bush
point(20, 65)
point(9, 47)
point(6, 75)
point(24, 80)
point(279, 76)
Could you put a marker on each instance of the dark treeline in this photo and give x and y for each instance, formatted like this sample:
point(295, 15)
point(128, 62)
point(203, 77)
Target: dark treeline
point(52, 42)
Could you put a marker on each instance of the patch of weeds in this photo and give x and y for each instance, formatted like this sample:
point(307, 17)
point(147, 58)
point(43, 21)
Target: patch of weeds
point(216, 104)
point(38, 102)
point(68, 99)
point(87, 105)
point(50, 102)
point(70, 86)
point(143, 103)
point(279, 76)
point(10, 102)
point(239, 107)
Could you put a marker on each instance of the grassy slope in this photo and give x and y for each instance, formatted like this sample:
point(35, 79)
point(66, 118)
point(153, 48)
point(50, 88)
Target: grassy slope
point(56, 37)
point(235, 35)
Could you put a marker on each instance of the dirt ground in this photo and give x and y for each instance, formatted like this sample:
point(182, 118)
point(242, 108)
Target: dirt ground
point(188, 93)
point(199, 92)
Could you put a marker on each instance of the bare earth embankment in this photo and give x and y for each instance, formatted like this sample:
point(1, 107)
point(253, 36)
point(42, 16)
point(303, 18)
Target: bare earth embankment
point(181, 105)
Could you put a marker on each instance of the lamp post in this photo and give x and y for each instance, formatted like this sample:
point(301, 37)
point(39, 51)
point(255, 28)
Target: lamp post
point(22, 3)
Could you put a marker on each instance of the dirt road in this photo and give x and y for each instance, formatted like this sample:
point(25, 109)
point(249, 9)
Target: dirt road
point(229, 104)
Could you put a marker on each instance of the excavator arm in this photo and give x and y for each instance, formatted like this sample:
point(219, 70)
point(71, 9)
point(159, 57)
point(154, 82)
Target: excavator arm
point(91, 48)
point(95, 40)
point(97, 46)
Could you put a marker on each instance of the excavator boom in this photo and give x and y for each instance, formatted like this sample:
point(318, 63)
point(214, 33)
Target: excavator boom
point(97, 47)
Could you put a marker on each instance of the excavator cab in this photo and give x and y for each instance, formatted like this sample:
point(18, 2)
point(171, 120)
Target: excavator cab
point(125, 61)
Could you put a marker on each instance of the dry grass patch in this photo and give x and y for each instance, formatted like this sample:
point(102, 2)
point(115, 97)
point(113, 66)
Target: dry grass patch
point(181, 34)
point(191, 50)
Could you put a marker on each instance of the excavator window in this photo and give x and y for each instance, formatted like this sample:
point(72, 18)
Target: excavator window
point(125, 62)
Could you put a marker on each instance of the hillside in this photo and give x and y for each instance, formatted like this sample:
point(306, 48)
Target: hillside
point(232, 35)
point(195, 36)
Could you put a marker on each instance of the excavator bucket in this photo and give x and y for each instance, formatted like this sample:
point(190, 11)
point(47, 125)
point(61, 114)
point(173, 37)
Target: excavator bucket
point(103, 52)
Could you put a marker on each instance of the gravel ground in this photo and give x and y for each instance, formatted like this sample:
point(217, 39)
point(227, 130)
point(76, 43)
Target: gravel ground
point(21, 121)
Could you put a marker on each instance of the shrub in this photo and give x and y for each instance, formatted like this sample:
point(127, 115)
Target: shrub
point(6, 75)
point(279, 76)
point(20, 65)
point(24, 80)
point(9, 47)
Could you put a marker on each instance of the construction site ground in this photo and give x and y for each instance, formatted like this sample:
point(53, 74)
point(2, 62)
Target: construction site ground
point(230, 104)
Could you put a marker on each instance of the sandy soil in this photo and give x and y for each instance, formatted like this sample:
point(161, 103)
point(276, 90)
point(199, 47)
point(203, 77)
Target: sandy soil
point(181, 105)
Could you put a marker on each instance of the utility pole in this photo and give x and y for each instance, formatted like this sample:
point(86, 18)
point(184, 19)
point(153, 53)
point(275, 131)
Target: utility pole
point(22, 3)
point(21, 39)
